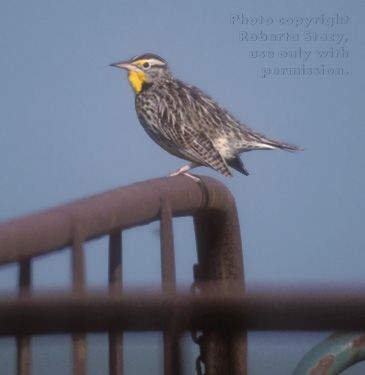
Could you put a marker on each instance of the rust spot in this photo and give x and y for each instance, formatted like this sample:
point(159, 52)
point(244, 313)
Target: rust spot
point(358, 343)
point(323, 365)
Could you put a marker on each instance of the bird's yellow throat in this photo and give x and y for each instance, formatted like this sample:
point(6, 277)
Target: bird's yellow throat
point(136, 80)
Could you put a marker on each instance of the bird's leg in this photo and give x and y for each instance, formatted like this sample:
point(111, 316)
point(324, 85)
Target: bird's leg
point(186, 168)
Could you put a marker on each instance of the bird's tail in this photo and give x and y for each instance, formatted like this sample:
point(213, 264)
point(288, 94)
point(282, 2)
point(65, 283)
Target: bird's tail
point(267, 143)
point(278, 145)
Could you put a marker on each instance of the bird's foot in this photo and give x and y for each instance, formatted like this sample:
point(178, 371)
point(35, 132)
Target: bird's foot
point(183, 171)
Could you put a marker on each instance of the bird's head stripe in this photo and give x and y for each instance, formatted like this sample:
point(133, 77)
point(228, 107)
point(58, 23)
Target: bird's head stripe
point(154, 62)
point(150, 57)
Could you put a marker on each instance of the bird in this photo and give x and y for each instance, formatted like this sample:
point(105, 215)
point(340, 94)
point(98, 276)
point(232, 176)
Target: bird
point(187, 122)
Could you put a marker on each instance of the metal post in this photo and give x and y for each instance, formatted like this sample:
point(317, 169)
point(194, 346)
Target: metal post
point(115, 285)
point(168, 273)
point(220, 268)
point(78, 274)
point(24, 341)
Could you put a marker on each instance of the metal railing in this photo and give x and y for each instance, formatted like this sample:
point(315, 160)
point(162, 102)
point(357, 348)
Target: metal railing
point(219, 270)
point(219, 308)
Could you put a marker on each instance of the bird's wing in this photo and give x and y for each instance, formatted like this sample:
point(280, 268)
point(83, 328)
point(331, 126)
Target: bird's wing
point(198, 146)
point(194, 144)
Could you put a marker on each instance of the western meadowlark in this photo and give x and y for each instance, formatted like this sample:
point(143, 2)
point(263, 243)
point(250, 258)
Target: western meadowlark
point(188, 123)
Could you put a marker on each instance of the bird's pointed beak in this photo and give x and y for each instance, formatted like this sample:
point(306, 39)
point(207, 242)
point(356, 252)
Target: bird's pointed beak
point(124, 65)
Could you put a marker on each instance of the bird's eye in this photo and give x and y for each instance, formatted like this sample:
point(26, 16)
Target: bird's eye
point(146, 65)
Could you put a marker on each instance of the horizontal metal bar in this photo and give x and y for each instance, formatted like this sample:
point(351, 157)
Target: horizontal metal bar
point(116, 312)
point(101, 214)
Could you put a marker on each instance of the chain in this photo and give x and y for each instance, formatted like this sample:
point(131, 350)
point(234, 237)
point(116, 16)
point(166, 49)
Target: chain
point(199, 363)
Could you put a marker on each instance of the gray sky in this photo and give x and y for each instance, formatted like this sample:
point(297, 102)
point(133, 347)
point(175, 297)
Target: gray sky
point(69, 128)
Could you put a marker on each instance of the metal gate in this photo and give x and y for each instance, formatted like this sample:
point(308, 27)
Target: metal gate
point(218, 307)
point(219, 272)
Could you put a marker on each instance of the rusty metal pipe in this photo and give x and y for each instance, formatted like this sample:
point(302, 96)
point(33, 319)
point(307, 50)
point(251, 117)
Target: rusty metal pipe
point(24, 355)
point(139, 312)
point(78, 281)
point(122, 208)
point(168, 275)
point(115, 285)
point(137, 204)
point(220, 270)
